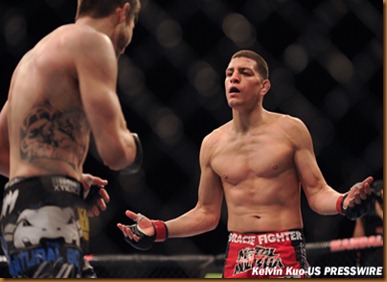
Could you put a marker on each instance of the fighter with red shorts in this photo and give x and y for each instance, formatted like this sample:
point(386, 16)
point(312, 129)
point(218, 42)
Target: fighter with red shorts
point(266, 255)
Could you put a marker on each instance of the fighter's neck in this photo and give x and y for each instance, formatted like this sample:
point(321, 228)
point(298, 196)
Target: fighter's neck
point(103, 25)
point(244, 121)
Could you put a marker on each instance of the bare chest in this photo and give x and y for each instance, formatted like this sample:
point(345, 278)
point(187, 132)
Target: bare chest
point(256, 157)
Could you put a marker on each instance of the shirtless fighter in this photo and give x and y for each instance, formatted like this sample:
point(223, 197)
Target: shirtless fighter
point(259, 161)
point(61, 92)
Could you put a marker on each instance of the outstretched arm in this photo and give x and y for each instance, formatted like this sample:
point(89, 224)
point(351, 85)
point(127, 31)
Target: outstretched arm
point(202, 218)
point(322, 198)
point(205, 215)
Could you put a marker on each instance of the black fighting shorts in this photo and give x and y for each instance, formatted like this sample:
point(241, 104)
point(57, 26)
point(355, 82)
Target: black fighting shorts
point(45, 228)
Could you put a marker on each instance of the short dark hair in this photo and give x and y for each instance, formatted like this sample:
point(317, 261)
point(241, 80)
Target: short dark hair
point(102, 8)
point(262, 67)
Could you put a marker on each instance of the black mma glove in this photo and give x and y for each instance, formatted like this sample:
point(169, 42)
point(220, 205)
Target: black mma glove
point(376, 191)
point(92, 195)
point(146, 242)
point(136, 165)
point(356, 211)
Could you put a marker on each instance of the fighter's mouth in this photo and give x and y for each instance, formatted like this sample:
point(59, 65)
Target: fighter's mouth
point(234, 90)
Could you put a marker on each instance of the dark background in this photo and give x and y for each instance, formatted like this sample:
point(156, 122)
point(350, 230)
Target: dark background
point(326, 64)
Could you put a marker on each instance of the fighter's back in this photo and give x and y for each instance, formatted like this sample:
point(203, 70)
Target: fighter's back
point(48, 130)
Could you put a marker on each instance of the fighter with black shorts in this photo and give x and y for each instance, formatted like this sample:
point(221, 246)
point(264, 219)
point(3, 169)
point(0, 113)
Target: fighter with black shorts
point(62, 94)
point(45, 228)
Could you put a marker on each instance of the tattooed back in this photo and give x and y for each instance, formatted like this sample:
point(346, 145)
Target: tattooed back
point(49, 132)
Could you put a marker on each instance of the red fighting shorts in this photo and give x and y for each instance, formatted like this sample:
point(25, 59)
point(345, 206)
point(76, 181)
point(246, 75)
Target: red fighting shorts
point(266, 255)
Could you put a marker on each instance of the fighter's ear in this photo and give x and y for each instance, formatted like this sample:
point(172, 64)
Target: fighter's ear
point(123, 12)
point(265, 87)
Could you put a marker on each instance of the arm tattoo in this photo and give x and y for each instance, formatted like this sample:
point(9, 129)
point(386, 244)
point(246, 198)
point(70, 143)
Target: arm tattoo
point(49, 134)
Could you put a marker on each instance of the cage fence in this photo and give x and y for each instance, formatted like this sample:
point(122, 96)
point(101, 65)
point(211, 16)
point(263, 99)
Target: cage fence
point(349, 253)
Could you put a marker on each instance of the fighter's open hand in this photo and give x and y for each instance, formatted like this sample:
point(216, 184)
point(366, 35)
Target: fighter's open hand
point(357, 201)
point(143, 233)
point(358, 193)
point(100, 199)
point(143, 223)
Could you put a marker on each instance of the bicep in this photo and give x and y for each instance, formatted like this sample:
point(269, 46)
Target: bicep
point(210, 193)
point(309, 173)
point(305, 160)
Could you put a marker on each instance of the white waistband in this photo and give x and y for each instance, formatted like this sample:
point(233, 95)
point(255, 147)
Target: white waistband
point(265, 238)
